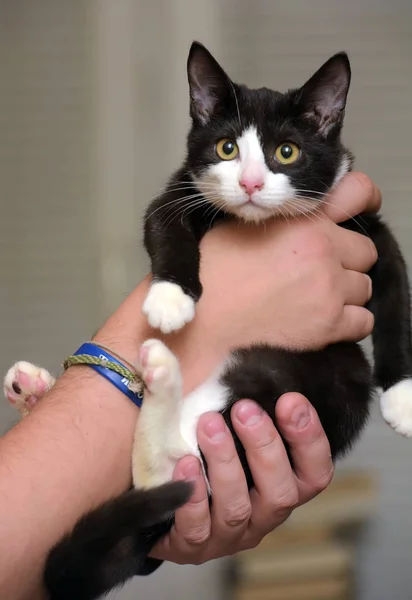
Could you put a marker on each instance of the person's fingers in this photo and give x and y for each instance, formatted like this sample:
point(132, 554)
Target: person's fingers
point(231, 502)
point(275, 493)
point(355, 194)
point(358, 288)
point(356, 324)
point(357, 251)
point(309, 447)
point(192, 527)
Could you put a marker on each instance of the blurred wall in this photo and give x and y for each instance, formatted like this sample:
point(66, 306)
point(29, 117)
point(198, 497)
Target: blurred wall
point(93, 115)
point(49, 262)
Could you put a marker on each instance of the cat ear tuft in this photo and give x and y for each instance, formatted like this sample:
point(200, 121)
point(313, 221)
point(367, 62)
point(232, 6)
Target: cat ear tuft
point(323, 97)
point(209, 85)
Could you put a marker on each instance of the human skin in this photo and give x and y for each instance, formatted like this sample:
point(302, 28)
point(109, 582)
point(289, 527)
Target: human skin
point(305, 288)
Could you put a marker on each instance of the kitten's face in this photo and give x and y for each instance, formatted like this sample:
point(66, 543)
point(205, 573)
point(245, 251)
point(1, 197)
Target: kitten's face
point(259, 153)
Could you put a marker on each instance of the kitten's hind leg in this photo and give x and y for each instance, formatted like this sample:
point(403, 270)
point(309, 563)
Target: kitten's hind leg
point(158, 444)
point(392, 335)
point(25, 384)
point(396, 407)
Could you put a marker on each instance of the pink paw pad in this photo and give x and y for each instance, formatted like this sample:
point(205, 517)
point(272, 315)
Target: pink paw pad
point(144, 355)
point(25, 384)
point(152, 375)
point(34, 384)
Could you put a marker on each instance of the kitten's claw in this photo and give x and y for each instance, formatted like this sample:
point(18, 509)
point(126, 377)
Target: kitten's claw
point(160, 367)
point(25, 384)
point(167, 307)
point(396, 407)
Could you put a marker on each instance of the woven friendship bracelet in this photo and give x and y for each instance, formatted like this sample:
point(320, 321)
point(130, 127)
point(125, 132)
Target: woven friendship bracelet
point(99, 359)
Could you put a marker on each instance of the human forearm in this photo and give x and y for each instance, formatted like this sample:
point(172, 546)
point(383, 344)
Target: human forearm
point(74, 450)
point(69, 455)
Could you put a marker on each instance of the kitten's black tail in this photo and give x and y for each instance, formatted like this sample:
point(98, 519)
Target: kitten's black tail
point(110, 545)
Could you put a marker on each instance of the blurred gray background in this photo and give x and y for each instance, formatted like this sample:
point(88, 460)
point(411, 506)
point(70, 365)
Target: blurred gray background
point(93, 116)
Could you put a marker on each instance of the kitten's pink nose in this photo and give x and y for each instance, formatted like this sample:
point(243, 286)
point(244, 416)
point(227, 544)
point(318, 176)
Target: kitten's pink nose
point(251, 183)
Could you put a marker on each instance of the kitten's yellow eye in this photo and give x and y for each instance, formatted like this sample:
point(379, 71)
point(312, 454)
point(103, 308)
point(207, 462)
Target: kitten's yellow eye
point(227, 149)
point(287, 153)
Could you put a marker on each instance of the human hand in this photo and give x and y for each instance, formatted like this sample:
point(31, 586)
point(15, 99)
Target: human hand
point(300, 284)
point(238, 520)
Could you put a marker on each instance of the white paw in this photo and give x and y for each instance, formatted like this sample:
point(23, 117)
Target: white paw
point(160, 367)
point(25, 384)
point(396, 407)
point(167, 307)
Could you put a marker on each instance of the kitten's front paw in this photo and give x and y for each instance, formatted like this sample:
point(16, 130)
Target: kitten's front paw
point(396, 407)
point(160, 367)
point(167, 307)
point(25, 384)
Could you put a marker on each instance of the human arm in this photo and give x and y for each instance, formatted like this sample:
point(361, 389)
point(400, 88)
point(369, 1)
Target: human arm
point(73, 451)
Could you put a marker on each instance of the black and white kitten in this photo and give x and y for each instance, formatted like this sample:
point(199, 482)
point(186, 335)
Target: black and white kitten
point(251, 155)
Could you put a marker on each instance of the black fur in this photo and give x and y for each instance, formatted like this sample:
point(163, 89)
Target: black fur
point(111, 545)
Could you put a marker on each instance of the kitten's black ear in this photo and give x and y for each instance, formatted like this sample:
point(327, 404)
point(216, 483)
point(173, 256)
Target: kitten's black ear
point(323, 97)
point(209, 85)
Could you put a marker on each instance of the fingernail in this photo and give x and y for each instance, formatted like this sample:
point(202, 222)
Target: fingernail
point(215, 429)
point(370, 289)
point(300, 417)
point(191, 471)
point(248, 413)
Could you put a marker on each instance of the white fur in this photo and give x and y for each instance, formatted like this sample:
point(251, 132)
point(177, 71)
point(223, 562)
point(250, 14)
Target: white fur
point(151, 464)
point(396, 407)
point(166, 429)
point(224, 178)
point(343, 169)
point(167, 307)
point(210, 396)
point(33, 382)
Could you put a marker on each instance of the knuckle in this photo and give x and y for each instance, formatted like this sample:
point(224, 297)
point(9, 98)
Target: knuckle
point(281, 513)
point(238, 513)
point(198, 536)
point(323, 480)
point(331, 308)
point(328, 291)
point(320, 245)
point(365, 184)
point(287, 500)
point(265, 443)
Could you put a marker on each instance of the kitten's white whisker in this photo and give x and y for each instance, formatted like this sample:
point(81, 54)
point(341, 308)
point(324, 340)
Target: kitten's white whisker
point(181, 186)
point(184, 185)
point(315, 192)
point(350, 217)
point(305, 208)
point(174, 202)
point(169, 218)
point(213, 216)
point(187, 212)
point(193, 205)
